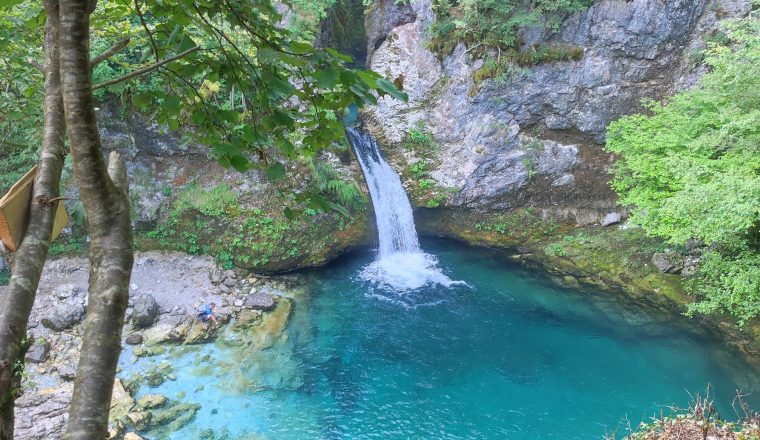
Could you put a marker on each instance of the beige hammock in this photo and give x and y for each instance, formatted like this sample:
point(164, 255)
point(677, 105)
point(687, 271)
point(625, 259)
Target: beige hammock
point(14, 213)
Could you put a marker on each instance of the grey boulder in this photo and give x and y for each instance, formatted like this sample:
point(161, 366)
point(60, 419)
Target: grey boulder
point(260, 301)
point(64, 314)
point(668, 262)
point(145, 310)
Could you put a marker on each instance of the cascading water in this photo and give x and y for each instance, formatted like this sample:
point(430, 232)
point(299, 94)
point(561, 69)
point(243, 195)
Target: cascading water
point(401, 265)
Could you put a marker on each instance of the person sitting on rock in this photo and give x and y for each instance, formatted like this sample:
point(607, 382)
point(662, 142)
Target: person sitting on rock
point(206, 313)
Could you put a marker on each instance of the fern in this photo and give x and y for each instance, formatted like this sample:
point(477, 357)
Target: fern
point(333, 185)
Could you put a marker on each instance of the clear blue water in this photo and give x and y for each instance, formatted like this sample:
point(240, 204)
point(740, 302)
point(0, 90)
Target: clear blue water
point(507, 357)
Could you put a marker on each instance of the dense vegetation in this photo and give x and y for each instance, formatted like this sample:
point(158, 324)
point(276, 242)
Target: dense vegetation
point(491, 29)
point(690, 169)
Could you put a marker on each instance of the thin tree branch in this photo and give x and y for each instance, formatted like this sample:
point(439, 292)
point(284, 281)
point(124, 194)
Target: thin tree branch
point(119, 45)
point(35, 64)
point(144, 70)
point(145, 26)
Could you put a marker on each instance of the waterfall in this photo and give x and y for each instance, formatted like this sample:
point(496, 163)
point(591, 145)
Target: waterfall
point(401, 265)
point(393, 212)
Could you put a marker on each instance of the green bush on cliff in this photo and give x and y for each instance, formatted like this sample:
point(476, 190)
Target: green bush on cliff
point(495, 24)
point(691, 169)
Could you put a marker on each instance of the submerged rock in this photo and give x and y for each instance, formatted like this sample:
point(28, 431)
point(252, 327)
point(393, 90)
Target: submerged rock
point(121, 404)
point(150, 401)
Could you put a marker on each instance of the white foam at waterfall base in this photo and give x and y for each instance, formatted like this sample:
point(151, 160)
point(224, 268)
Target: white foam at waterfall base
point(404, 271)
point(401, 265)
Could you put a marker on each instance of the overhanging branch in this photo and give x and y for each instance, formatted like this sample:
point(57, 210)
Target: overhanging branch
point(119, 45)
point(144, 70)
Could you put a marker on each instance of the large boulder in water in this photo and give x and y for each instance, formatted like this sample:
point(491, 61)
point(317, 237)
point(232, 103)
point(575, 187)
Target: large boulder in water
point(260, 301)
point(145, 311)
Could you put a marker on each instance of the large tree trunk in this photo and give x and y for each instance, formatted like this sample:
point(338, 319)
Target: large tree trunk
point(104, 195)
point(16, 305)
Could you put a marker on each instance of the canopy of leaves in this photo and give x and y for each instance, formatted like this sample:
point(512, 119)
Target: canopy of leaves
point(244, 84)
point(494, 24)
point(20, 92)
point(691, 169)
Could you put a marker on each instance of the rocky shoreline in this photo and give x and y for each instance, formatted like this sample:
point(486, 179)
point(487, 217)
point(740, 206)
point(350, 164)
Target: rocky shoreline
point(165, 291)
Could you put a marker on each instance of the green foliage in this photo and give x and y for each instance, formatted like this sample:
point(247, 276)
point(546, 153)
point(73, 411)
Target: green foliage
point(555, 249)
point(343, 190)
point(262, 235)
point(292, 90)
point(426, 184)
point(483, 25)
point(20, 92)
point(420, 140)
point(510, 61)
point(213, 202)
point(728, 283)
point(691, 169)
point(68, 245)
point(419, 169)
point(307, 14)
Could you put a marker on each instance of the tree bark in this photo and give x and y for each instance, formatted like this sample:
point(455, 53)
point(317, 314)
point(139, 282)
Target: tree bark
point(104, 195)
point(16, 305)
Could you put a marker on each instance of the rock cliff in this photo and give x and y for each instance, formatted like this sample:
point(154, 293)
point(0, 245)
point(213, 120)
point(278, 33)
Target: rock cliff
point(532, 137)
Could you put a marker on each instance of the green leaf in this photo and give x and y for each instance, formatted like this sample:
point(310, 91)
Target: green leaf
point(240, 163)
point(391, 89)
point(327, 78)
point(172, 102)
point(275, 172)
point(141, 100)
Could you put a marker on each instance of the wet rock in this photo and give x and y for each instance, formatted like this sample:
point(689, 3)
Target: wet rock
point(145, 311)
point(132, 436)
point(611, 219)
point(38, 352)
point(121, 402)
point(139, 419)
point(173, 417)
point(668, 262)
point(134, 339)
point(150, 401)
point(259, 301)
point(64, 315)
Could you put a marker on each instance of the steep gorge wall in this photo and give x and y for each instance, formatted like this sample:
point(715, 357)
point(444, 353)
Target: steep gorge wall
point(534, 138)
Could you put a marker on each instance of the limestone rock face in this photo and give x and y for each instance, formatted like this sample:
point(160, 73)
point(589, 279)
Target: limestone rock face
point(381, 18)
point(632, 50)
point(45, 413)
